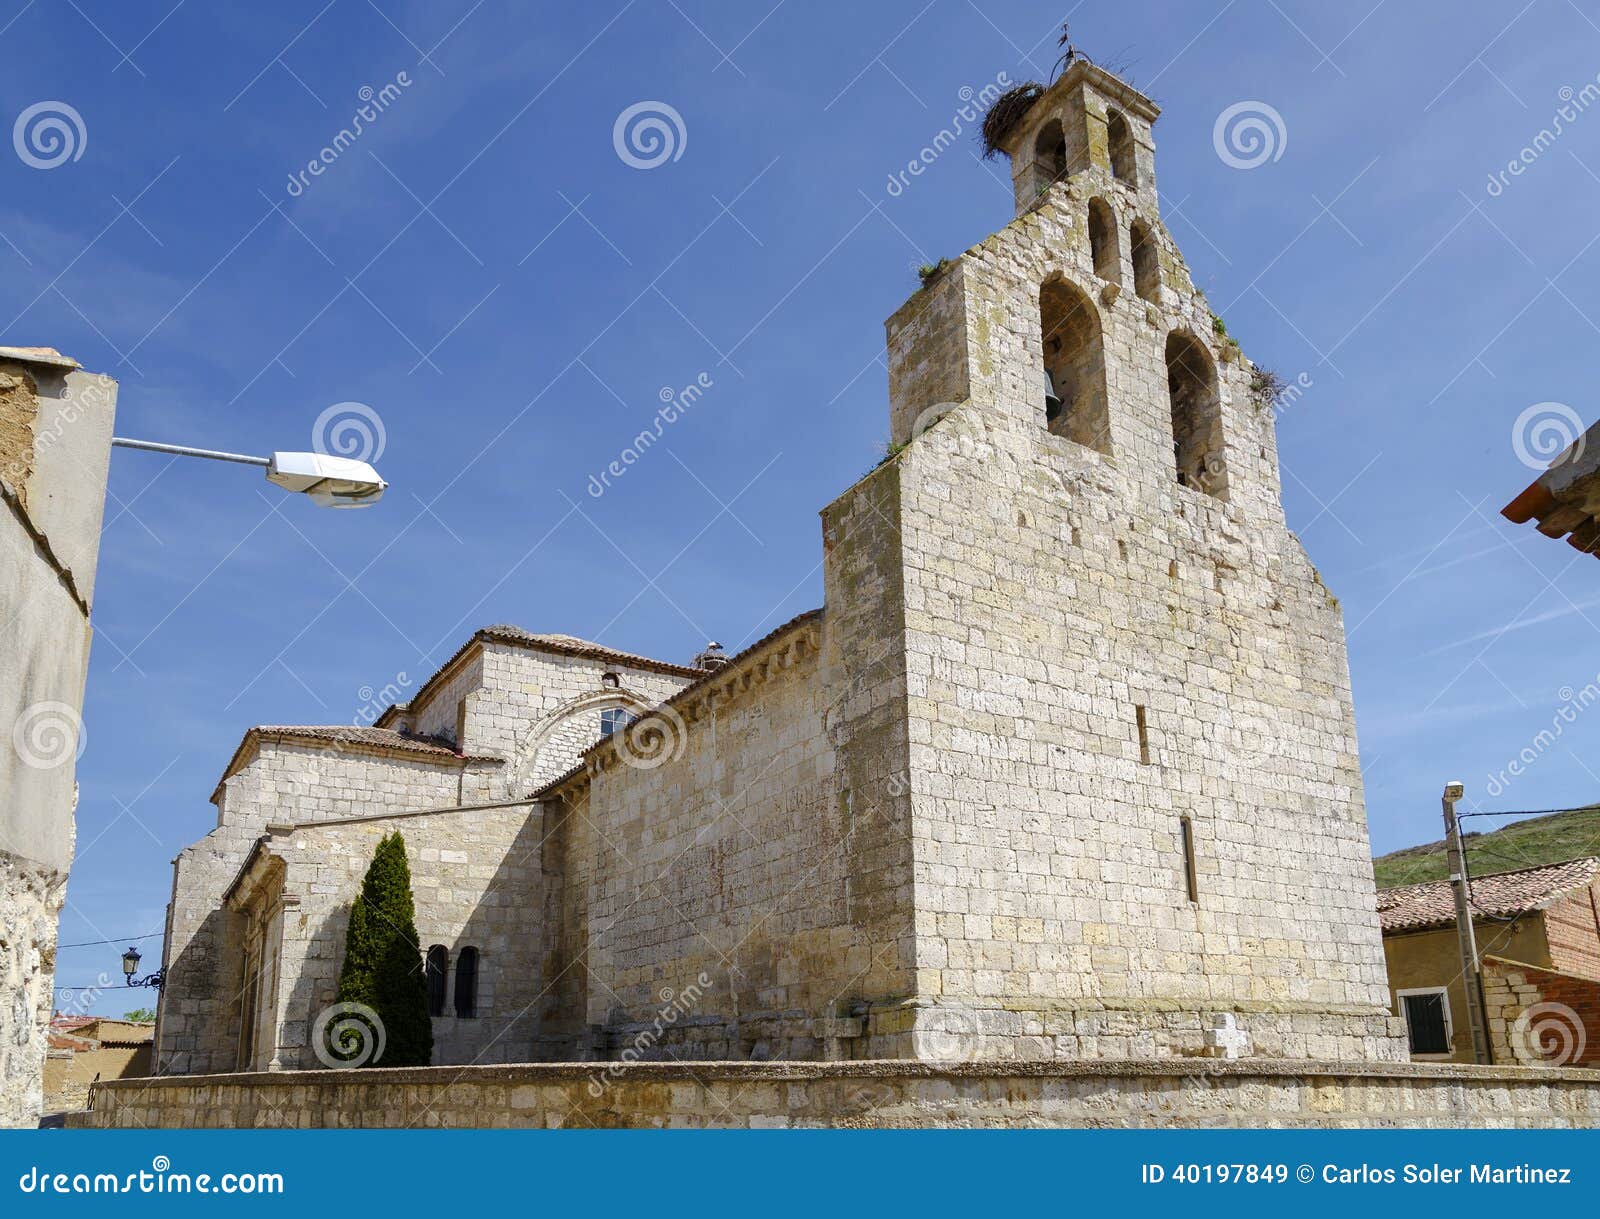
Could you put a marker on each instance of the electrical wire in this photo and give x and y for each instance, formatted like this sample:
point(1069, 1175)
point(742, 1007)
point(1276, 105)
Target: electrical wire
point(134, 939)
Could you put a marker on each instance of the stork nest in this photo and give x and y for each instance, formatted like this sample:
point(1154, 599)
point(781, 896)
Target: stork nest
point(1006, 112)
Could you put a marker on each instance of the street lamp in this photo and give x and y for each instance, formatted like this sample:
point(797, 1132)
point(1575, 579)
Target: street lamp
point(333, 482)
point(130, 966)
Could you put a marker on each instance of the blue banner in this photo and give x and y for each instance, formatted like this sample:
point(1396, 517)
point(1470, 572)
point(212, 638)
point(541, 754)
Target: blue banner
point(782, 1172)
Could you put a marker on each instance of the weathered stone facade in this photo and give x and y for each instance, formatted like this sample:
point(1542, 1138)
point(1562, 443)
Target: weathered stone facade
point(1065, 770)
point(506, 709)
point(55, 445)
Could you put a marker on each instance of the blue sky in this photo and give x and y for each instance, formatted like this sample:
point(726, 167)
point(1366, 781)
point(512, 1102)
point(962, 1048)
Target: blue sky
point(510, 298)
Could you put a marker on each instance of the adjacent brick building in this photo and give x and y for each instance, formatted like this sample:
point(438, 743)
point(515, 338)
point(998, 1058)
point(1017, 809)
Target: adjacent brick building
point(1538, 932)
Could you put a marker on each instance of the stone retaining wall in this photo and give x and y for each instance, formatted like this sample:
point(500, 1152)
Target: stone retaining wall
point(887, 1094)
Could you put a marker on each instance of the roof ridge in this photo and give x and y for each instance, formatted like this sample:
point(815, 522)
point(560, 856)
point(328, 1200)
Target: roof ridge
point(1533, 867)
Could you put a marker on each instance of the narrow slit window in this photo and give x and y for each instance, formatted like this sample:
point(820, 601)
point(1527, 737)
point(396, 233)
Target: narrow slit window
point(1191, 878)
point(1146, 262)
point(1144, 735)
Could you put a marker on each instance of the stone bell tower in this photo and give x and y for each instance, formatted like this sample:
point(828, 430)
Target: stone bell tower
point(1134, 809)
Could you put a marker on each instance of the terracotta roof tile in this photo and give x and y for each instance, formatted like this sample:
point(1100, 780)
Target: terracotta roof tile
point(1501, 895)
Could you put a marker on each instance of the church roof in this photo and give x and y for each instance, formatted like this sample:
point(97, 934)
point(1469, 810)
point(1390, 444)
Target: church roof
point(1501, 895)
point(562, 645)
point(352, 736)
point(571, 645)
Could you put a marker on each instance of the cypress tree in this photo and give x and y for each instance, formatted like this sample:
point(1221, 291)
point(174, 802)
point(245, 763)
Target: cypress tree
point(383, 959)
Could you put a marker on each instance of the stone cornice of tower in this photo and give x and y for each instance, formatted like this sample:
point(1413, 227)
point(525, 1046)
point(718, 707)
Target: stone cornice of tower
point(1082, 72)
point(761, 662)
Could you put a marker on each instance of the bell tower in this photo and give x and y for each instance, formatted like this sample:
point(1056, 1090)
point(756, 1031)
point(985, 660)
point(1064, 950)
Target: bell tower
point(1132, 814)
point(1088, 120)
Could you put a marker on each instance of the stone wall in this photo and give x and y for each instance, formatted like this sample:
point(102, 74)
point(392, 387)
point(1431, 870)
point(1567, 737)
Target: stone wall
point(873, 1094)
point(710, 902)
point(55, 437)
point(476, 881)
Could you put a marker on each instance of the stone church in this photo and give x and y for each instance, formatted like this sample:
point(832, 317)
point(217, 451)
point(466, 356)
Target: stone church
point(1064, 768)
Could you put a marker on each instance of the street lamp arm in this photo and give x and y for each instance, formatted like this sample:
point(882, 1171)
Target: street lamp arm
point(180, 450)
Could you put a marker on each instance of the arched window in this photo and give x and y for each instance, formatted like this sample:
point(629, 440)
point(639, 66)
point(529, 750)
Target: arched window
point(1049, 155)
point(1196, 414)
point(437, 971)
point(467, 982)
point(1124, 166)
point(1103, 241)
point(1074, 365)
point(1146, 262)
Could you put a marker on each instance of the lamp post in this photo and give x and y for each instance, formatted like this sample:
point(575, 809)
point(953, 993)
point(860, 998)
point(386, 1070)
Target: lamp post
point(333, 482)
point(130, 966)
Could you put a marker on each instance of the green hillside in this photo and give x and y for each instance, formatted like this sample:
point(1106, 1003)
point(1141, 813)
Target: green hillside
point(1522, 844)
